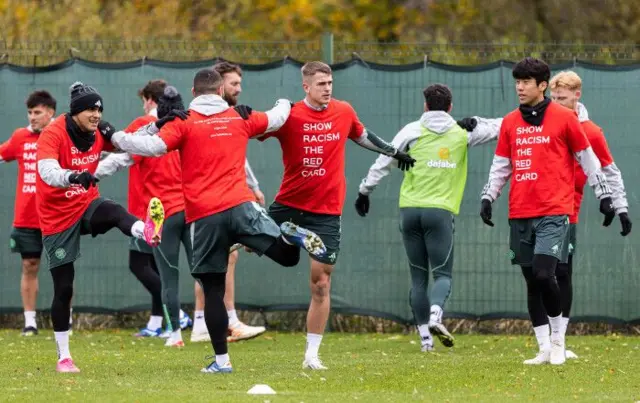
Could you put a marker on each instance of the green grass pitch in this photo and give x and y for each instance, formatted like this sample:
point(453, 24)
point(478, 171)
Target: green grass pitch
point(116, 367)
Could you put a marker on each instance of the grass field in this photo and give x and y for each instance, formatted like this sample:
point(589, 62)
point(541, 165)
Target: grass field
point(371, 367)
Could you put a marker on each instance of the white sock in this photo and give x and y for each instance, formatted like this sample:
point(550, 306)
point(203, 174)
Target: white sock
point(62, 344)
point(222, 359)
point(199, 324)
point(155, 322)
point(175, 336)
point(70, 317)
point(285, 240)
point(30, 319)
point(436, 314)
point(565, 325)
point(313, 345)
point(556, 328)
point(137, 229)
point(542, 335)
point(233, 317)
point(425, 335)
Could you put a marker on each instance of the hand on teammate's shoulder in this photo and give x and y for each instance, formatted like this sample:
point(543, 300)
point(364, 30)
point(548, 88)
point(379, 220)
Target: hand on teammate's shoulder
point(243, 110)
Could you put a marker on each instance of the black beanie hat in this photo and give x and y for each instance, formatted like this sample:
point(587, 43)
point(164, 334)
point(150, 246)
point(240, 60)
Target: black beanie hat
point(83, 97)
point(169, 100)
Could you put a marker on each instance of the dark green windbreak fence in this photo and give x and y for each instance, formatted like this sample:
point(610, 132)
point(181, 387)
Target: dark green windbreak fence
point(371, 276)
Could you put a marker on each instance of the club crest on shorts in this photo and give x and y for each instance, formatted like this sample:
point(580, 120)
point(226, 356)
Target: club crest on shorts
point(12, 243)
point(60, 253)
point(555, 249)
point(512, 254)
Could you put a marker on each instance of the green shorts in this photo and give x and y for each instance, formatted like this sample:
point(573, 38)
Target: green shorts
point(327, 227)
point(539, 236)
point(212, 236)
point(140, 245)
point(27, 242)
point(572, 238)
point(64, 247)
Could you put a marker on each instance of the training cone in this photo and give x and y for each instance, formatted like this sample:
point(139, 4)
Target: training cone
point(261, 390)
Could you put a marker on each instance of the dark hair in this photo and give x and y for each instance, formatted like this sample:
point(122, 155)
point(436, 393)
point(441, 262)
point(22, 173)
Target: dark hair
point(153, 90)
point(225, 68)
point(206, 81)
point(41, 97)
point(438, 97)
point(530, 67)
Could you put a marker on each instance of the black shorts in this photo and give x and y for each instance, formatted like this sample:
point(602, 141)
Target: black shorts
point(27, 242)
point(542, 235)
point(212, 236)
point(327, 227)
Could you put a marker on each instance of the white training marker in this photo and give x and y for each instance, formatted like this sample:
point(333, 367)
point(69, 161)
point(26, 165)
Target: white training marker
point(261, 390)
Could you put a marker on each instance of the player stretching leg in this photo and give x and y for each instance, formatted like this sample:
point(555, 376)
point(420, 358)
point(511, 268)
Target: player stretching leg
point(313, 188)
point(537, 146)
point(430, 197)
point(141, 262)
point(566, 89)
point(219, 207)
point(69, 204)
point(232, 77)
point(26, 237)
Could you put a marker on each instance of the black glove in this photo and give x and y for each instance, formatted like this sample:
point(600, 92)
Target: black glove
point(175, 113)
point(626, 224)
point(362, 204)
point(485, 212)
point(606, 208)
point(106, 129)
point(244, 111)
point(85, 179)
point(405, 161)
point(468, 124)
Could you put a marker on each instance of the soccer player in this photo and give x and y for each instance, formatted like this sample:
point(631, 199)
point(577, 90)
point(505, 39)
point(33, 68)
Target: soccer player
point(537, 146)
point(26, 238)
point(219, 207)
point(313, 188)
point(151, 177)
point(69, 204)
point(430, 197)
point(566, 90)
point(232, 78)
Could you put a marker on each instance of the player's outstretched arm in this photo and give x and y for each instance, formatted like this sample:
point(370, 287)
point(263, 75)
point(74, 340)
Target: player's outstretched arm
point(113, 163)
point(278, 115)
point(482, 130)
point(371, 141)
point(253, 184)
point(146, 146)
point(383, 164)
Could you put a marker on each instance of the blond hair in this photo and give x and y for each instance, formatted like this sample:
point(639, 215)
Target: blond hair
point(311, 68)
point(566, 79)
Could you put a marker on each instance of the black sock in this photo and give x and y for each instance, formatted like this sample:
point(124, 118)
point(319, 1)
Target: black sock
point(215, 313)
point(537, 313)
point(109, 215)
point(564, 275)
point(62, 293)
point(142, 266)
point(544, 269)
point(283, 253)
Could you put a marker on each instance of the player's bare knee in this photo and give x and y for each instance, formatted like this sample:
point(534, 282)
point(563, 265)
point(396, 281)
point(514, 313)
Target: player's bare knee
point(320, 288)
point(30, 267)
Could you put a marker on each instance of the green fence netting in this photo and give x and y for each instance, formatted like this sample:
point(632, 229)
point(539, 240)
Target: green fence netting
point(371, 276)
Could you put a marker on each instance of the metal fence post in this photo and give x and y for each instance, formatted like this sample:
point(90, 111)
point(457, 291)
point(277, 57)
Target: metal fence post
point(327, 47)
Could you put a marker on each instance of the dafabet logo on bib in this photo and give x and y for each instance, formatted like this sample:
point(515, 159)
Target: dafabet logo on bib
point(444, 162)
